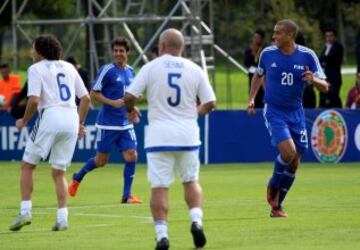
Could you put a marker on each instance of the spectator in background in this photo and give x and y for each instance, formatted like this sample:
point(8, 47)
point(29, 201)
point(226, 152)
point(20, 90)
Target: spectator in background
point(251, 60)
point(353, 97)
point(358, 51)
point(9, 85)
point(154, 53)
point(309, 97)
point(331, 59)
point(18, 103)
point(82, 72)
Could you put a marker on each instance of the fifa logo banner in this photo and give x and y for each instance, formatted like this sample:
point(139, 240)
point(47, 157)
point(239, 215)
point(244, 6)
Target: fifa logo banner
point(329, 136)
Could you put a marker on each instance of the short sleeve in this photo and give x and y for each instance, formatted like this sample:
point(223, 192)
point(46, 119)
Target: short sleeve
point(139, 83)
point(314, 66)
point(205, 91)
point(80, 88)
point(261, 66)
point(34, 82)
point(101, 78)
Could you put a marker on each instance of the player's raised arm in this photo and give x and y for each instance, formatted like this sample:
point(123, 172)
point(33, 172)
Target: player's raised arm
point(319, 83)
point(256, 83)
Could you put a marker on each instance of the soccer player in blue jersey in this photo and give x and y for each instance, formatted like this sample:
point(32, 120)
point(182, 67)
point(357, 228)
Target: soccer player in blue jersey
point(113, 126)
point(287, 69)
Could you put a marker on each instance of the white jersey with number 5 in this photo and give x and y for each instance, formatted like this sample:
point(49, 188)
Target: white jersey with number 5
point(56, 83)
point(173, 85)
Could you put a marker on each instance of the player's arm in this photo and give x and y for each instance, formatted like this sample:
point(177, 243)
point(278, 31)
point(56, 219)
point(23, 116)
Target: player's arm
point(30, 110)
point(320, 84)
point(133, 112)
point(98, 96)
point(205, 108)
point(84, 106)
point(256, 83)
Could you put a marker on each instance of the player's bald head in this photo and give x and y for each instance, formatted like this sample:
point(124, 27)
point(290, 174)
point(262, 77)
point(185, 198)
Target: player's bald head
point(171, 40)
point(289, 26)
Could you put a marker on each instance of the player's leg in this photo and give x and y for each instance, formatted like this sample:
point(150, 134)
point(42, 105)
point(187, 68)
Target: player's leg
point(58, 174)
point(104, 139)
point(288, 178)
point(300, 140)
point(60, 159)
point(127, 143)
point(160, 175)
point(188, 166)
point(32, 155)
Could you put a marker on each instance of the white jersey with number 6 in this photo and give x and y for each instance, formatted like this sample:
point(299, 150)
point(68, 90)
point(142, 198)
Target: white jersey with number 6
point(173, 85)
point(56, 83)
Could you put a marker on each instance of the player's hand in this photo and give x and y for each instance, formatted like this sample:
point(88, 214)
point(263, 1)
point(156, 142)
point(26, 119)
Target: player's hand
point(81, 132)
point(308, 76)
point(251, 108)
point(118, 103)
point(134, 116)
point(20, 123)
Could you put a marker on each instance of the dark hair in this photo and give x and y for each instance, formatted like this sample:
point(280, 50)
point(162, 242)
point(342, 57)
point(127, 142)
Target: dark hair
point(300, 39)
point(72, 60)
point(155, 50)
point(120, 41)
point(4, 65)
point(48, 46)
point(333, 30)
point(261, 33)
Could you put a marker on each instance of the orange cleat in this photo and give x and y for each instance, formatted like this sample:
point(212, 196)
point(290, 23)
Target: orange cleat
point(278, 213)
point(73, 187)
point(132, 199)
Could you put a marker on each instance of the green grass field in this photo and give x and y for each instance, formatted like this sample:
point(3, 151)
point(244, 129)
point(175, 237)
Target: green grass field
point(323, 209)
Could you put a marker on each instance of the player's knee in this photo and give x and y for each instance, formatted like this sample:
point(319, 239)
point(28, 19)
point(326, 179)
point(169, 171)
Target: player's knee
point(130, 156)
point(25, 166)
point(293, 166)
point(100, 162)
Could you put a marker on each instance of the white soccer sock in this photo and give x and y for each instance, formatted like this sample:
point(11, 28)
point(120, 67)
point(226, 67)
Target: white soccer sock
point(25, 207)
point(196, 215)
point(62, 215)
point(161, 229)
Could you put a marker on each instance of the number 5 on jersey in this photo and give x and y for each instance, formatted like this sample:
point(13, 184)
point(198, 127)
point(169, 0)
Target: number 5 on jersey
point(172, 77)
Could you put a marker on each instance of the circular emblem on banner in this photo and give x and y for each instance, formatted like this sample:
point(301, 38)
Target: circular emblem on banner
point(357, 137)
point(329, 136)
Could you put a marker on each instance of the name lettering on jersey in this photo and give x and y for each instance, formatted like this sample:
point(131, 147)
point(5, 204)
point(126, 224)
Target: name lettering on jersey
point(173, 65)
point(273, 65)
point(300, 67)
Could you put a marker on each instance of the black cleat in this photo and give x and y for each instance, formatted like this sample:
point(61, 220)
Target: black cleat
point(163, 244)
point(197, 232)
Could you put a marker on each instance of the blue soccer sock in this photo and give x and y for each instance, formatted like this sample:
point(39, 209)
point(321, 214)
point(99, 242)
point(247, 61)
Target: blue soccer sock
point(129, 173)
point(286, 182)
point(89, 166)
point(279, 168)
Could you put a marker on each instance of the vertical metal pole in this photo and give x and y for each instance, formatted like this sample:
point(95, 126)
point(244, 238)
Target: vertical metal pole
point(91, 39)
point(14, 35)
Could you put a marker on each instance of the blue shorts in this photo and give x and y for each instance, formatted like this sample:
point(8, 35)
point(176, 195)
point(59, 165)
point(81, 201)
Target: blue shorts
point(286, 124)
point(122, 139)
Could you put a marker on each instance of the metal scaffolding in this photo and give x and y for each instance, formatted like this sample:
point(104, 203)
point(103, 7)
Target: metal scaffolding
point(111, 17)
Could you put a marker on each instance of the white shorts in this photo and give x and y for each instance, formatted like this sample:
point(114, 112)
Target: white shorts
point(55, 130)
point(162, 166)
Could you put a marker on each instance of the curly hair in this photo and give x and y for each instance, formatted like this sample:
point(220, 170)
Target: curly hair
point(120, 41)
point(48, 46)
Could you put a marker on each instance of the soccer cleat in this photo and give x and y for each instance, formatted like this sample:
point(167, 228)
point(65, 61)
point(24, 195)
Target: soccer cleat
point(162, 244)
point(73, 187)
point(197, 232)
point(62, 226)
point(272, 196)
point(21, 220)
point(132, 199)
point(278, 213)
